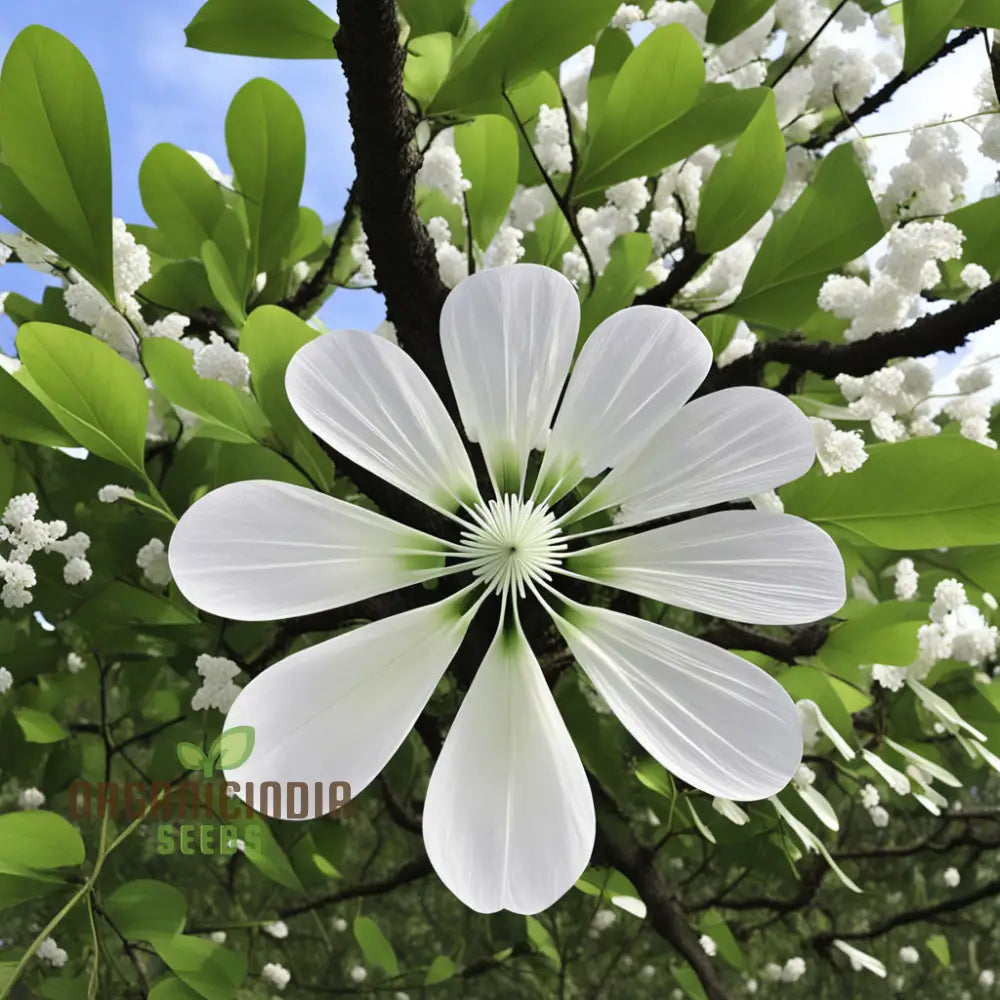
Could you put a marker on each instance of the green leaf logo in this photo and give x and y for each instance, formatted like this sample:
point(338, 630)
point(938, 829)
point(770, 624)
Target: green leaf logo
point(231, 749)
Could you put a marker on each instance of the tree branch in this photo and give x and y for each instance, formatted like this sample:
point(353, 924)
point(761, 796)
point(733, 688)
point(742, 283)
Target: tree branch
point(941, 331)
point(803, 642)
point(387, 162)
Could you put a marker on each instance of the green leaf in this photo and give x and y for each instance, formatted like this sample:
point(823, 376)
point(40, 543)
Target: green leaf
point(146, 908)
point(269, 339)
point(425, 17)
point(718, 930)
point(743, 185)
point(97, 396)
point(123, 604)
point(542, 940)
point(979, 13)
point(224, 284)
point(55, 176)
point(233, 747)
point(729, 17)
point(882, 633)
point(658, 82)
point(488, 148)
point(615, 289)
point(266, 142)
point(39, 727)
point(172, 988)
point(191, 756)
point(612, 50)
point(895, 502)
point(292, 29)
point(24, 418)
point(184, 202)
point(265, 853)
point(937, 945)
point(171, 367)
point(441, 969)
point(8, 472)
point(207, 968)
point(39, 839)
point(523, 38)
point(926, 27)
point(19, 885)
point(375, 946)
point(428, 59)
point(549, 240)
point(833, 221)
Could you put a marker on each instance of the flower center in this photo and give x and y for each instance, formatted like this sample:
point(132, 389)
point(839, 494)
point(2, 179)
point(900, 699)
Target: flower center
point(512, 542)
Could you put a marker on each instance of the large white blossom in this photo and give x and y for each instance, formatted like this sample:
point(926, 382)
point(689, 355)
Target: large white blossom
point(508, 819)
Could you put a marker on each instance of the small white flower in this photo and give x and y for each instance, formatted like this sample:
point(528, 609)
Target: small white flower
point(794, 970)
point(860, 960)
point(951, 878)
point(6, 680)
point(75, 663)
point(152, 560)
point(50, 953)
point(708, 945)
point(975, 277)
point(111, 493)
point(838, 451)
point(221, 362)
point(987, 979)
point(909, 955)
point(358, 974)
point(906, 580)
point(278, 929)
point(552, 140)
point(869, 796)
point(219, 691)
point(879, 816)
point(218, 937)
point(248, 551)
point(30, 798)
point(890, 677)
point(603, 919)
point(627, 15)
point(340, 925)
point(276, 975)
point(442, 169)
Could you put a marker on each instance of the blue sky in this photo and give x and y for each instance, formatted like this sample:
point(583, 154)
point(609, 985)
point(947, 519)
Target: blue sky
point(156, 90)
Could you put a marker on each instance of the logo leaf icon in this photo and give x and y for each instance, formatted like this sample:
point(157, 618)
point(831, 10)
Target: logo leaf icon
point(233, 747)
point(192, 757)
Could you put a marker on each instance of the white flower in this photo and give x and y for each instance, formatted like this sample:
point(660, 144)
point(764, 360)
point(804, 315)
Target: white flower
point(627, 15)
point(222, 362)
point(364, 263)
point(708, 945)
point(685, 12)
point(6, 680)
point(442, 169)
point(907, 578)
point(552, 140)
point(729, 809)
point(50, 953)
point(987, 978)
point(75, 663)
point(603, 919)
point(276, 975)
point(30, 798)
point(890, 677)
point(975, 277)
point(869, 796)
point(743, 341)
point(771, 973)
point(812, 722)
point(859, 959)
point(838, 451)
point(152, 560)
point(909, 955)
point(218, 691)
point(219, 937)
point(974, 379)
point(340, 925)
point(111, 493)
point(794, 970)
point(769, 501)
point(505, 248)
point(951, 878)
point(894, 778)
point(345, 705)
point(358, 974)
point(278, 929)
point(879, 816)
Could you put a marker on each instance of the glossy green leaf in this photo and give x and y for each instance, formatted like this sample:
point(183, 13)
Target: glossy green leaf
point(224, 283)
point(293, 29)
point(488, 149)
point(523, 38)
point(97, 396)
point(926, 27)
point(375, 945)
point(428, 59)
point(39, 839)
point(171, 367)
point(729, 17)
point(207, 968)
point(612, 50)
point(615, 289)
point(658, 83)
point(184, 202)
point(441, 969)
point(937, 945)
point(265, 853)
point(172, 988)
point(24, 418)
point(979, 13)
point(128, 605)
point(55, 174)
point(833, 221)
point(744, 184)
point(924, 493)
point(145, 908)
point(39, 727)
point(425, 17)
point(266, 141)
point(19, 884)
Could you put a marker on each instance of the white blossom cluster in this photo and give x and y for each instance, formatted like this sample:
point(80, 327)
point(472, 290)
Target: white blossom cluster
point(871, 800)
point(838, 451)
point(909, 955)
point(220, 361)
point(890, 400)
point(891, 298)
point(112, 493)
point(51, 954)
point(218, 690)
point(551, 145)
point(277, 929)
point(906, 580)
point(30, 798)
point(743, 342)
point(152, 560)
point(988, 125)
point(6, 680)
point(358, 974)
point(365, 273)
point(951, 878)
point(453, 264)
point(931, 180)
point(75, 663)
point(791, 972)
point(25, 535)
point(441, 169)
point(276, 975)
point(957, 630)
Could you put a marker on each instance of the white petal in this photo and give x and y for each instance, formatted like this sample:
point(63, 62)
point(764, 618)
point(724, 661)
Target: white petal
point(812, 842)
point(261, 550)
point(769, 569)
point(724, 446)
point(339, 710)
point(368, 399)
point(509, 817)
point(710, 717)
point(637, 369)
point(820, 805)
point(934, 769)
point(860, 959)
point(508, 336)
